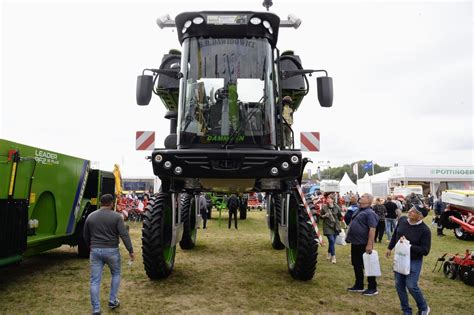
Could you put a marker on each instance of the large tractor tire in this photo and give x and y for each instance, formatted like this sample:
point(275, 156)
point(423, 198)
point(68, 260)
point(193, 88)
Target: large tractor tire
point(275, 217)
point(158, 254)
point(302, 252)
point(188, 217)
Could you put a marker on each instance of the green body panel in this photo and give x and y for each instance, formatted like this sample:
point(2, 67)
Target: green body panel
point(53, 185)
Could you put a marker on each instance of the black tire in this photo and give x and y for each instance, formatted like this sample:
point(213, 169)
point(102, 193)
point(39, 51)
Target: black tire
point(466, 273)
point(83, 251)
point(461, 234)
point(158, 254)
point(274, 217)
point(302, 253)
point(188, 218)
point(243, 213)
point(450, 270)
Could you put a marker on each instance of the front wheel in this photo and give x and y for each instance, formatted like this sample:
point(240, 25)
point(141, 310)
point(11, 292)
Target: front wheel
point(450, 270)
point(158, 254)
point(302, 252)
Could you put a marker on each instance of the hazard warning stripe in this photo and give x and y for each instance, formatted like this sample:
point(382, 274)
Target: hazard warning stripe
point(310, 215)
point(145, 140)
point(309, 141)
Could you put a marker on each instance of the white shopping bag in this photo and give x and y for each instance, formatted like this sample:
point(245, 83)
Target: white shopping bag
point(341, 238)
point(401, 257)
point(371, 264)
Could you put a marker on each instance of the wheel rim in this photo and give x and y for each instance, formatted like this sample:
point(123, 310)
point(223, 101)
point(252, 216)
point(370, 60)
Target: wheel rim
point(292, 255)
point(168, 254)
point(459, 232)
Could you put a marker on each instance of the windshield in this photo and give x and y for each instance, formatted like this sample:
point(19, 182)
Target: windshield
point(228, 95)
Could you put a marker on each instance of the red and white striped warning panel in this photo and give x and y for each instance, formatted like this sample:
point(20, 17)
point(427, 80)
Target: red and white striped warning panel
point(145, 140)
point(309, 141)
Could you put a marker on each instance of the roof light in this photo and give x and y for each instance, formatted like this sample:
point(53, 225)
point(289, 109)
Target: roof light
point(167, 165)
point(188, 23)
point(270, 30)
point(255, 20)
point(295, 159)
point(198, 20)
point(184, 30)
point(266, 24)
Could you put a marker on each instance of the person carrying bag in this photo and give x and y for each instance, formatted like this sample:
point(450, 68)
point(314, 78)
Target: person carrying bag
point(410, 229)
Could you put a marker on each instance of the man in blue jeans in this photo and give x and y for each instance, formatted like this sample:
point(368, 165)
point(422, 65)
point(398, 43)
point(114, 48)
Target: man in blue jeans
point(412, 228)
point(101, 232)
point(361, 236)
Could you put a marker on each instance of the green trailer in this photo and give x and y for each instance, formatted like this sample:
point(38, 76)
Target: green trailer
point(45, 198)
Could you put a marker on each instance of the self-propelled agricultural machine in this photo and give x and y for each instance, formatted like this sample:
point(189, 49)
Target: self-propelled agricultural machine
point(228, 134)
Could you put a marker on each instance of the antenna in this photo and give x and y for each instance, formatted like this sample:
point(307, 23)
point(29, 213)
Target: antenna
point(267, 4)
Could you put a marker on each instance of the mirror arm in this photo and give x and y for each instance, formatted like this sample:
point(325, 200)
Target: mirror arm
point(292, 73)
point(169, 73)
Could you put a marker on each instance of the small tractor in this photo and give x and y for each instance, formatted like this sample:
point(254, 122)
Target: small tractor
point(223, 92)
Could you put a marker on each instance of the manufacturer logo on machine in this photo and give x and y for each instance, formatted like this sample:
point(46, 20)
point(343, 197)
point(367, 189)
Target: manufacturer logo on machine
point(46, 158)
point(438, 171)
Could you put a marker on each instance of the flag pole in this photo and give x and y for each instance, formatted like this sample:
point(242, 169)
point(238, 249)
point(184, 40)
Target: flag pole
point(373, 168)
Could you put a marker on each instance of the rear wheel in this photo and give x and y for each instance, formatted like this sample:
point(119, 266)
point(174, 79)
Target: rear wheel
point(461, 234)
point(83, 250)
point(302, 251)
point(450, 269)
point(158, 254)
point(274, 217)
point(188, 217)
point(467, 275)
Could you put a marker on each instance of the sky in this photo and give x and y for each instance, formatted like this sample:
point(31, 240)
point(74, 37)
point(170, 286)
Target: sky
point(402, 74)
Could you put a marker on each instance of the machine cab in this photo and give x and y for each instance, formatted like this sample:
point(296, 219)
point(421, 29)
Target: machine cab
point(227, 93)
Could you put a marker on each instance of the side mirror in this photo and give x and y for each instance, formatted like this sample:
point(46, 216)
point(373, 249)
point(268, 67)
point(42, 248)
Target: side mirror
point(325, 94)
point(144, 89)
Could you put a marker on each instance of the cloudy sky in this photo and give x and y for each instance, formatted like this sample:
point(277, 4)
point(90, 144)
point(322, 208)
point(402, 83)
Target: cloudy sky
point(402, 77)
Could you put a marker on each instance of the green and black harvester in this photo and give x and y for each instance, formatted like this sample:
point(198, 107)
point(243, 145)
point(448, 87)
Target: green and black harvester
point(223, 92)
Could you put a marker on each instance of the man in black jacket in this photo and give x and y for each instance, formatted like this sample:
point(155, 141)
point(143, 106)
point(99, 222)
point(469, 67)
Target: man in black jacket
point(233, 204)
point(413, 229)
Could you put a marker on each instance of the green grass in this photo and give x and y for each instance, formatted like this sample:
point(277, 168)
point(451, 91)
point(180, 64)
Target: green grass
point(229, 271)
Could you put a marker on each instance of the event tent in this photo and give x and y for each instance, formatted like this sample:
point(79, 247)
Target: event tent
point(346, 185)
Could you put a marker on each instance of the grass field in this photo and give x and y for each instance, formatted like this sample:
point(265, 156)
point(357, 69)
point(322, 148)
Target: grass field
point(229, 271)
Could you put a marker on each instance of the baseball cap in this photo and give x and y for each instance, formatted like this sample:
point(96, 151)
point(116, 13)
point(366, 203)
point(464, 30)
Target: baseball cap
point(420, 209)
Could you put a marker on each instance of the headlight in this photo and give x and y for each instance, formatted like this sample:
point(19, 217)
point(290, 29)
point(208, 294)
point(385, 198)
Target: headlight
point(295, 159)
point(178, 170)
point(274, 171)
point(285, 166)
point(167, 165)
point(158, 158)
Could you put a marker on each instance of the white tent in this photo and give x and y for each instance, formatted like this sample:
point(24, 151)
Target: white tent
point(363, 185)
point(346, 185)
point(376, 185)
